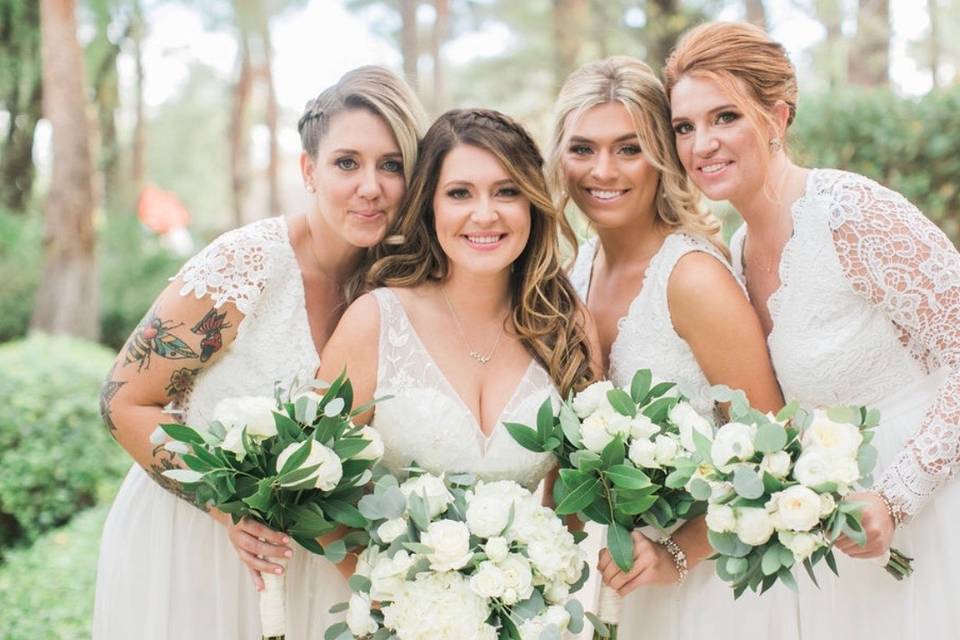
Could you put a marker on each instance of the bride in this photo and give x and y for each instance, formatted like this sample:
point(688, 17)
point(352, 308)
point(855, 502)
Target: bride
point(474, 322)
point(859, 295)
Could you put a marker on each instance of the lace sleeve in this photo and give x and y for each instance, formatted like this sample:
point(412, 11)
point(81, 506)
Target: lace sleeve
point(901, 262)
point(234, 267)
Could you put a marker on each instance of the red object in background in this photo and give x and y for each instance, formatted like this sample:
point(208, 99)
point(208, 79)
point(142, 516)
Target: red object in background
point(161, 211)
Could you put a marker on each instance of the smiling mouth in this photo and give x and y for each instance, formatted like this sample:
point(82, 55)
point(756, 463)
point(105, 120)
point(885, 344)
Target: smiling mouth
point(484, 239)
point(369, 215)
point(606, 195)
point(716, 167)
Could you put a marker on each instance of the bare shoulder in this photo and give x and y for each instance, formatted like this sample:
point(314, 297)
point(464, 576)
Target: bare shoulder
point(700, 279)
point(361, 319)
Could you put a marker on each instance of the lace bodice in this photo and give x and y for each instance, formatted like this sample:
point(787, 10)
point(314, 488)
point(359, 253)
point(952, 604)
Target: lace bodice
point(869, 302)
point(426, 422)
point(646, 338)
point(254, 268)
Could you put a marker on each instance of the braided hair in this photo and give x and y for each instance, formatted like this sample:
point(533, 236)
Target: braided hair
point(542, 298)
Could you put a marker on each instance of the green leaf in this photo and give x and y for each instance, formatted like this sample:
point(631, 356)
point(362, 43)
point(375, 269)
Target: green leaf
point(678, 478)
point(808, 565)
point(747, 483)
point(640, 385)
point(359, 584)
point(699, 489)
point(599, 627)
point(872, 419)
point(298, 458)
point(579, 497)
point(735, 566)
point(574, 477)
point(182, 433)
point(867, 459)
point(418, 547)
point(585, 460)
point(195, 462)
point(308, 543)
point(545, 419)
point(620, 545)
point(771, 437)
point(346, 448)
point(849, 415)
point(345, 513)
point(786, 577)
point(627, 476)
point(787, 411)
point(613, 454)
point(659, 409)
point(570, 424)
point(419, 513)
point(336, 551)
point(770, 564)
point(575, 609)
point(728, 544)
point(340, 607)
point(334, 631)
point(525, 436)
point(636, 506)
point(263, 498)
point(287, 428)
point(530, 607)
point(770, 484)
point(660, 389)
point(621, 402)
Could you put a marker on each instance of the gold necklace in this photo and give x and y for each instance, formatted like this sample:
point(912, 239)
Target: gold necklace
point(476, 355)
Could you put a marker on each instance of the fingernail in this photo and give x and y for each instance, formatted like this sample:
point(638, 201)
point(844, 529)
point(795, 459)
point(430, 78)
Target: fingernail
point(278, 571)
point(287, 554)
point(286, 539)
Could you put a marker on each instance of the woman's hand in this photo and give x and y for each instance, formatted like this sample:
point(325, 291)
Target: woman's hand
point(254, 543)
point(877, 524)
point(652, 565)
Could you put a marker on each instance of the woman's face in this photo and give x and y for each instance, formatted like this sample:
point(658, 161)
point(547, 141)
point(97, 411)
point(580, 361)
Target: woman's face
point(482, 218)
point(604, 168)
point(716, 142)
point(358, 176)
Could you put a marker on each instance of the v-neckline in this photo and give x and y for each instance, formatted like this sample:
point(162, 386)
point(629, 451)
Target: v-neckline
point(452, 391)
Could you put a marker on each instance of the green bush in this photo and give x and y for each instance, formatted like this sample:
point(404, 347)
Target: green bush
point(19, 271)
point(46, 591)
point(56, 457)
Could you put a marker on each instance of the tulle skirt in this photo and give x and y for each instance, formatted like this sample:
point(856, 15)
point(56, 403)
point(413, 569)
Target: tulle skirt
point(168, 571)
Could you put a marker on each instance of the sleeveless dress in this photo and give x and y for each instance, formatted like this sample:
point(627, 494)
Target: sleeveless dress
point(425, 420)
point(703, 607)
point(868, 312)
point(166, 569)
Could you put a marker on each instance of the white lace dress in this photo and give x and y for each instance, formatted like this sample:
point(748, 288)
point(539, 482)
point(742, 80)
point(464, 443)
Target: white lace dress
point(868, 312)
point(703, 607)
point(167, 570)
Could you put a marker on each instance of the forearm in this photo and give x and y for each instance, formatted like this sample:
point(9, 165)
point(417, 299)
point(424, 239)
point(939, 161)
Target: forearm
point(692, 538)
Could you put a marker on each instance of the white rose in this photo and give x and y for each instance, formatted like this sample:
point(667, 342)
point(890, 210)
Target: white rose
point(558, 616)
point(833, 439)
point(594, 433)
point(827, 504)
point(688, 420)
point(592, 398)
point(450, 541)
point(374, 450)
point(796, 508)
point(556, 591)
point(390, 530)
point(496, 549)
point(433, 489)
point(532, 629)
point(814, 468)
point(643, 427)
point(487, 516)
point(721, 518)
point(733, 441)
point(643, 453)
point(802, 545)
point(488, 581)
point(720, 490)
point(517, 577)
point(358, 616)
point(753, 525)
point(666, 450)
point(388, 575)
point(326, 476)
point(233, 441)
point(253, 412)
point(844, 471)
point(776, 464)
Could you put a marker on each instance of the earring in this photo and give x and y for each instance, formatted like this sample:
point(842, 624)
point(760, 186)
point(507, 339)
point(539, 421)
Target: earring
point(775, 143)
point(310, 188)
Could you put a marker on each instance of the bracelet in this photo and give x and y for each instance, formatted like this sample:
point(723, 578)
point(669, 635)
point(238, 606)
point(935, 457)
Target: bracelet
point(895, 513)
point(679, 558)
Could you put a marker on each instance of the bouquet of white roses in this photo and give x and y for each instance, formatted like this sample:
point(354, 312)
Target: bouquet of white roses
point(297, 465)
point(462, 560)
point(619, 451)
point(775, 488)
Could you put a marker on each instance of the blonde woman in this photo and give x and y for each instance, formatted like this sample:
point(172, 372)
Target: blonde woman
point(859, 297)
point(660, 289)
point(250, 310)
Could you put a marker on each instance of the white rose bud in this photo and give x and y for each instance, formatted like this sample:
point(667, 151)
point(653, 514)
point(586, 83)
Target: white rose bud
point(326, 476)
point(797, 508)
point(392, 529)
point(557, 615)
point(643, 427)
point(487, 516)
point(497, 549)
point(358, 615)
point(643, 453)
point(374, 450)
point(556, 591)
point(733, 441)
point(450, 541)
point(802, 545)
point(488, 581)
point(233, 442)
point(753, 526)
point(833, 439)
point(433, 489)
point(776, 464)
point(253, 412)
point(827, 504)
point(518, 579)
point(594, 433)
point(812, 469)
point(592, 398)
point(666, 450)
point(721, 518)
point(388, 576)
point(688, 420)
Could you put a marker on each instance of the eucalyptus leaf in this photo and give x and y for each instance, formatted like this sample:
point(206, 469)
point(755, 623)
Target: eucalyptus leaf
point(359, 584)
point(771, 437)
point(336, 551)
point(747, 483)
point(570, 424)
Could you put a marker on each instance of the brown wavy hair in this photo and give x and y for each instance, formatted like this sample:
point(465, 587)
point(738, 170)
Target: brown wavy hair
point(631, 83)
point(543, 300)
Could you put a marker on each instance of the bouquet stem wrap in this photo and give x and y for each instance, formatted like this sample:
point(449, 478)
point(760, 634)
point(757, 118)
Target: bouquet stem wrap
point(609, 610)
point(273, 603)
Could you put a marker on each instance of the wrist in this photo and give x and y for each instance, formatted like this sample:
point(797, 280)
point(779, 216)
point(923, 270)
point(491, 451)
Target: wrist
point(679, 558)
point(896, 514)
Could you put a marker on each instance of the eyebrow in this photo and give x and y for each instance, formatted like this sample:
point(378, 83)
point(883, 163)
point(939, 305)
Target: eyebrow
point(467, 183)
point(623, 138)
point(712, 111)
point(354, 152)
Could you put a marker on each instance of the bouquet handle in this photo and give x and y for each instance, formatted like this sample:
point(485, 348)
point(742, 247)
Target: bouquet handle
point(609, 609)
point(273, 603)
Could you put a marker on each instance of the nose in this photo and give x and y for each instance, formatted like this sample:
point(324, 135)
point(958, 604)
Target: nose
point(485, 211)
point(705, 143)
point(604, 168)
point(369, 187)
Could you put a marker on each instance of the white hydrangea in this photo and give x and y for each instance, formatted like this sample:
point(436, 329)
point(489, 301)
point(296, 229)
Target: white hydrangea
point(438, 605)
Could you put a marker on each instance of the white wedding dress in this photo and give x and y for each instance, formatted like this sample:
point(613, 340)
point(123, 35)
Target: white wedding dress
point(167, 571)
point(703, 607)
point(868, 312)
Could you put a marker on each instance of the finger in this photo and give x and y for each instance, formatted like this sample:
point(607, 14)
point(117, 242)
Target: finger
point(604, 560)
point(257, 580)
point(265, 549)
point(637, 581)
point(259, 564)
point(619, 580)
point(262, 531)
point(609, 572)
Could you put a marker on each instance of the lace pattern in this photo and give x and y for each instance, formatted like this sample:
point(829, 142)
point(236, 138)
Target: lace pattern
point(426, 422)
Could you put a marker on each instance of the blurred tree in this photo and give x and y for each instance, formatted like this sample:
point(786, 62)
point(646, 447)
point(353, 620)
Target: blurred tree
point(21, 92)
point(440, 31)
point(869, 60)
point(756, 13)
point(138, 167)
point(830, 56)
point(570, 22)
point(67, 298)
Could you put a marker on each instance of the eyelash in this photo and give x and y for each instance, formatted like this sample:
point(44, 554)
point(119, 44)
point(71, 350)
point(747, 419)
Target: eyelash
point(349, 164)
point(724, 117)
point(463, 194)
point(629, 149)
point(343, 162)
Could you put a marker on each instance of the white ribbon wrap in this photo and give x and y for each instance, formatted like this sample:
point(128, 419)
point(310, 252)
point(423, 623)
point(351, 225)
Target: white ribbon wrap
point(273, 602)
point(610, 606)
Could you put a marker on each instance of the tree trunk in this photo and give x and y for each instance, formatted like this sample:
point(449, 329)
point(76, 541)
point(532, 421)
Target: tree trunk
point(239, 149)
point(266, 75)
point(665, 23)
point(600, 10)
point(139, 128)
point(107, 99)
point(440, 30)
point(832, 56)
point(67, 299)
point(756, 13)
point(569, 19)
point(869, 62)
point(409, 48)
point(933, 9)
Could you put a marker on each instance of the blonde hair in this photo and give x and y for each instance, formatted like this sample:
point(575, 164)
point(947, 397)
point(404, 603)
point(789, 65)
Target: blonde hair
point(547, 316)
point(750, 67)
point(631, 83)
point(382, 93)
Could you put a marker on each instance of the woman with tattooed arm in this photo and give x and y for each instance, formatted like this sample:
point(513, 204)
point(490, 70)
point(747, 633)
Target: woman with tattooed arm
point(252, 309)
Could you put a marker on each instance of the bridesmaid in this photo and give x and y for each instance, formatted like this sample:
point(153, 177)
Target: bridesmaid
point(657, 281)
point(859, 296)
point(248, 311)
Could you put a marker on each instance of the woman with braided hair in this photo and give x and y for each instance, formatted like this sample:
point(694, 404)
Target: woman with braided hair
point(473, 322)
point(250, 310)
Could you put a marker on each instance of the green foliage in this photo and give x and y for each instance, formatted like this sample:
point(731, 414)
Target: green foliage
point(19, 271)
point(56, 457)
point(903, 143)
point(46, 591)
